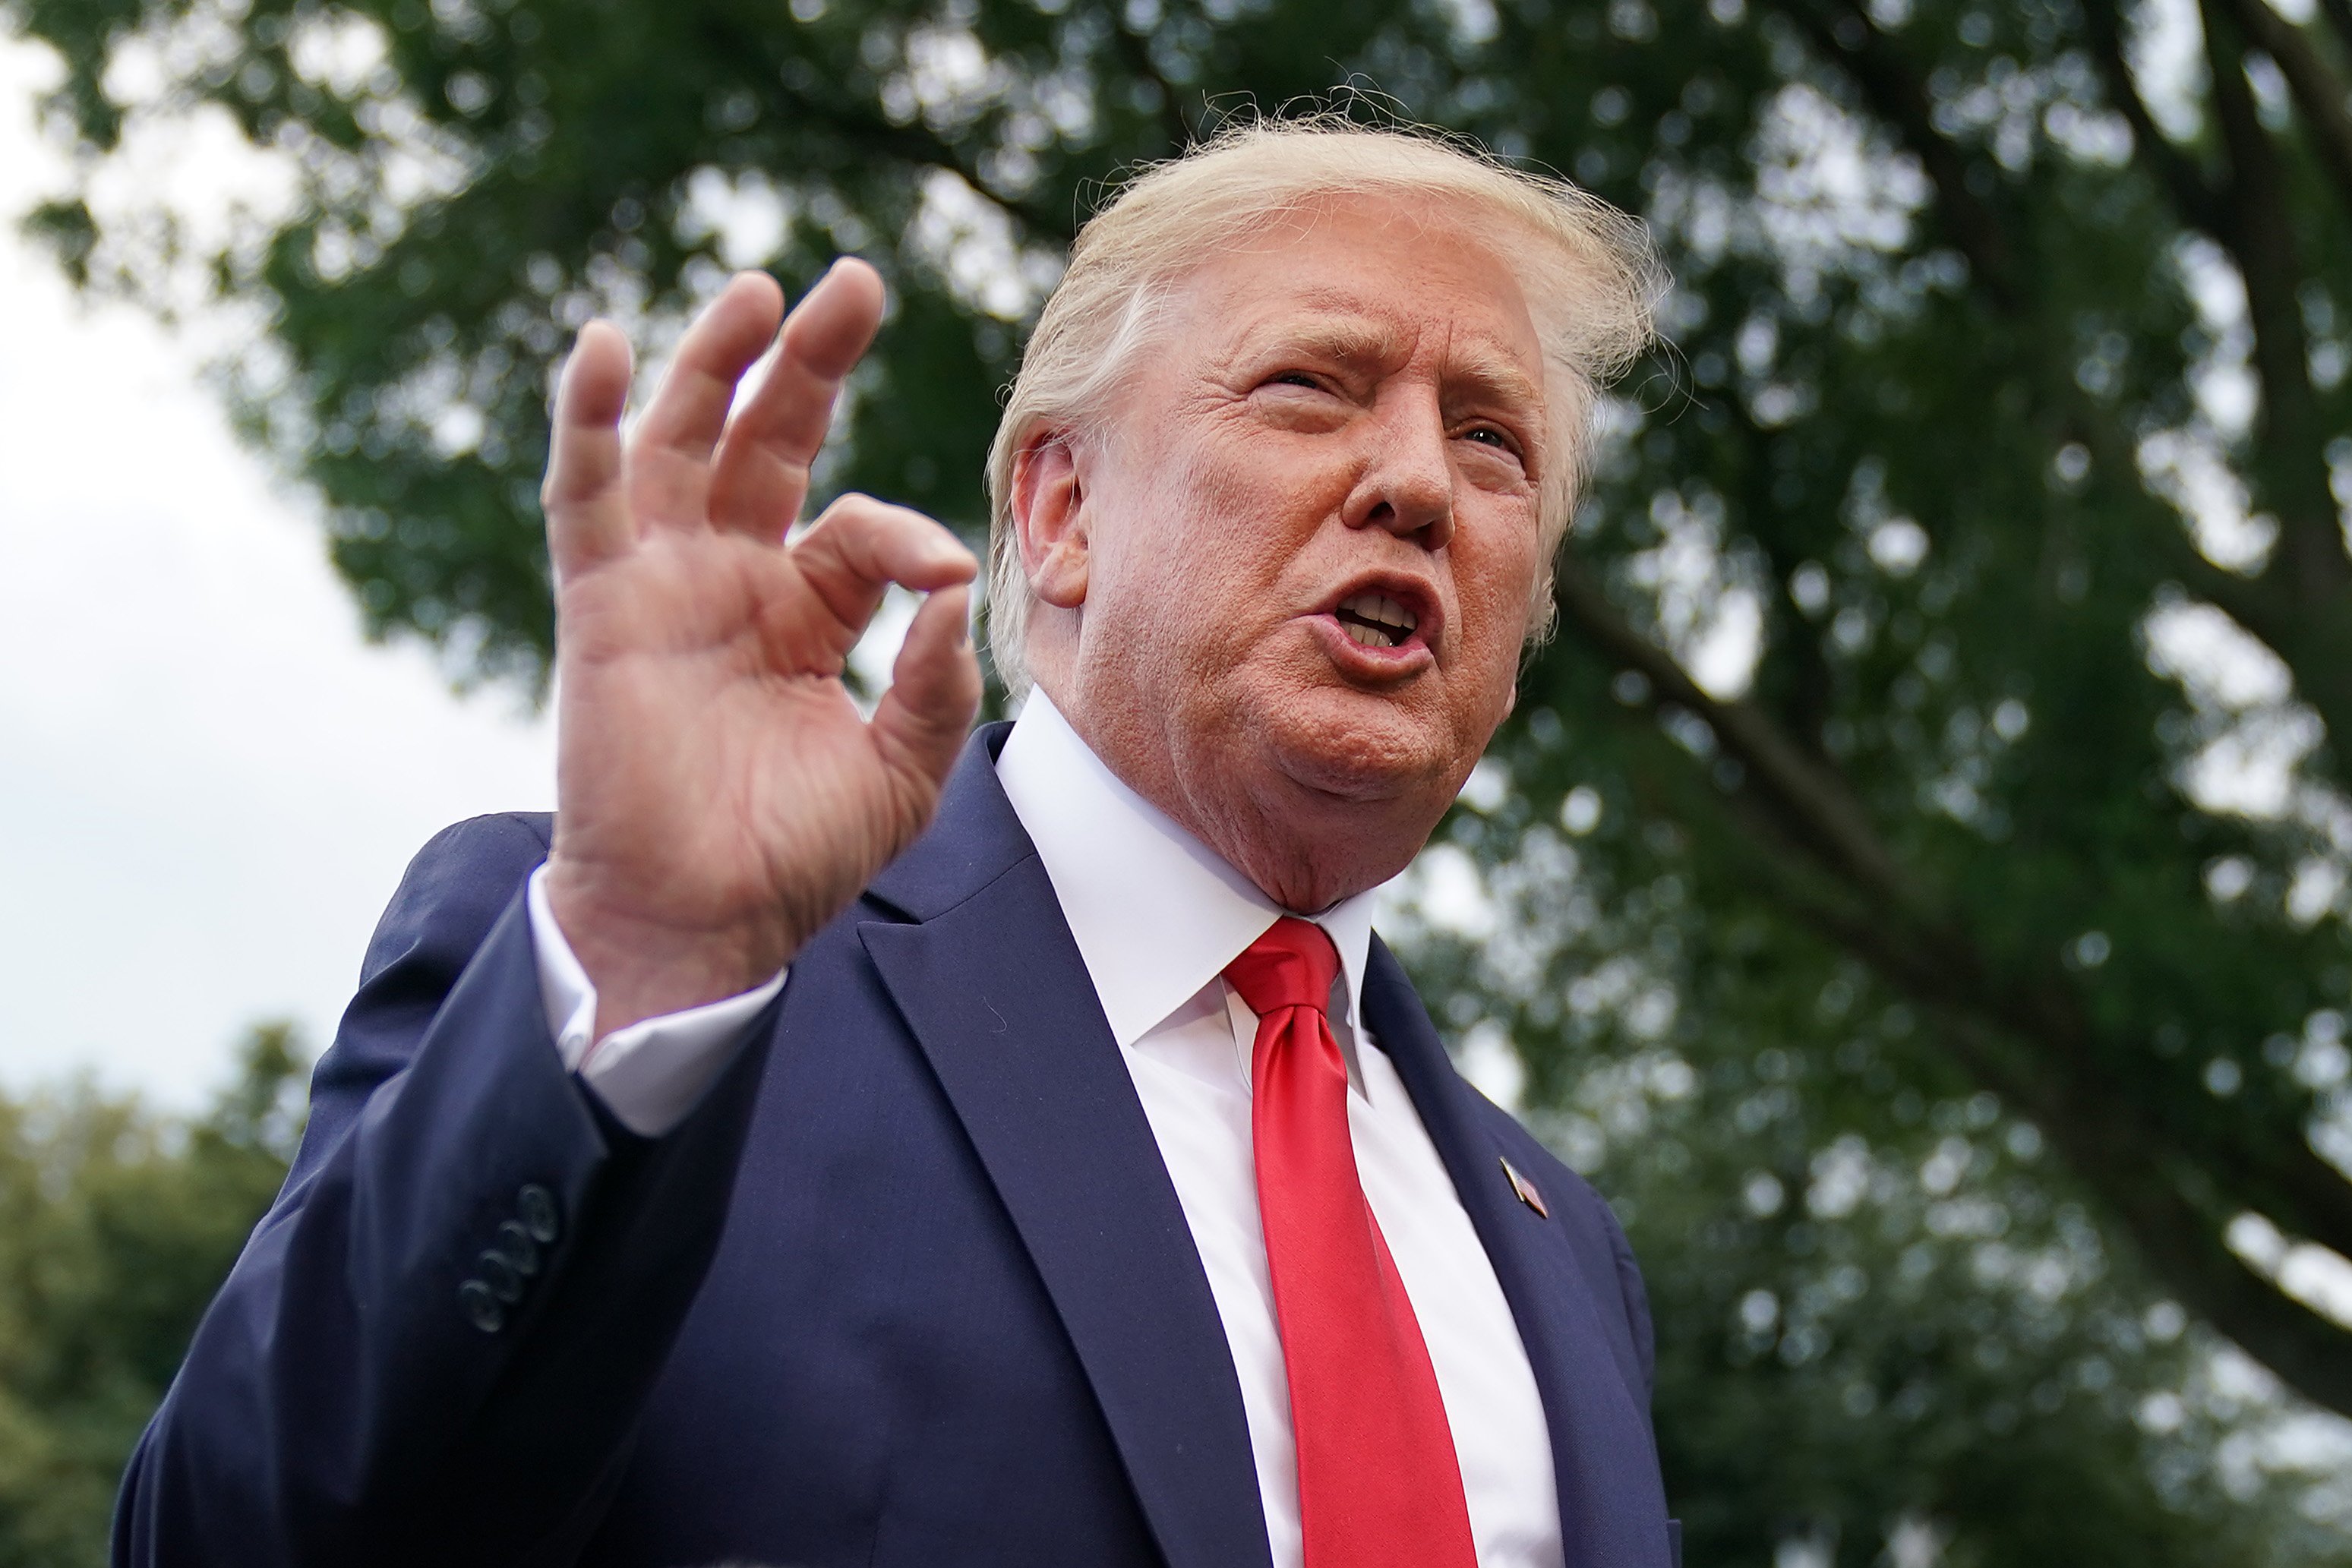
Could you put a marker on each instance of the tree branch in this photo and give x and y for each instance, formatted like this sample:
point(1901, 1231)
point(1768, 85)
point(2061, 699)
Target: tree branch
point(2028, 1042)
point(918, 144)
point(2190, 193)
point(2339, 14)
point(2181, 1240)
point(2317, 91)
point(1897, 95)
point(2248, 218)
point(1818, 810)
point(2136, 1171)
point(2064, 1082)
point(2290, 432)
point(2317, 649)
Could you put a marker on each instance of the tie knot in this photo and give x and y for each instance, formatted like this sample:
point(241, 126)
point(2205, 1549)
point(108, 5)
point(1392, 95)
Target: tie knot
point(1292, 966)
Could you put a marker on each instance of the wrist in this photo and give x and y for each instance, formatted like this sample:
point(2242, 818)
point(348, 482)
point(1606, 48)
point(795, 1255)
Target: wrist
point(644, 964)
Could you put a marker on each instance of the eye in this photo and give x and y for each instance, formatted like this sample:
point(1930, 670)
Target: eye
point(1495, 436)
point(1293, 379)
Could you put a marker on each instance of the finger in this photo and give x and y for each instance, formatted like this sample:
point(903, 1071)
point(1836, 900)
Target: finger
point(669, 459)
point(763, 461)
point(860, 546)
point(587, 512)
point(919, 725)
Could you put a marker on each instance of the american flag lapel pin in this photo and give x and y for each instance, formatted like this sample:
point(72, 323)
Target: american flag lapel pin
point(1525, 1189)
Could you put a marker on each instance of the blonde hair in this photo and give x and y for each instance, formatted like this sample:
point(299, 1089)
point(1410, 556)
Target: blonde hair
point(1592, 281)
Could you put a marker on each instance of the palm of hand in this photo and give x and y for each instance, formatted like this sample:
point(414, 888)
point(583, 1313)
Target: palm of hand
point(721, 796)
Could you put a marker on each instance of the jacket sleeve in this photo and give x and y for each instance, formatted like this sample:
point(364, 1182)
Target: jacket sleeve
point(436, 1344)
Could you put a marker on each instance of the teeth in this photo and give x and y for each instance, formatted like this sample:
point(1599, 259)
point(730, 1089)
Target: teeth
point(1375, 620)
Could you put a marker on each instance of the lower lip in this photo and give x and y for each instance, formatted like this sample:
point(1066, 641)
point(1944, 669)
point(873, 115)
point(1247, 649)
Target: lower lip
point(1406, 658)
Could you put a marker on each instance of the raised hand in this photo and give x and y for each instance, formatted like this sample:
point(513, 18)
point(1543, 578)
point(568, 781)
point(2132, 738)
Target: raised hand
point(719, 796)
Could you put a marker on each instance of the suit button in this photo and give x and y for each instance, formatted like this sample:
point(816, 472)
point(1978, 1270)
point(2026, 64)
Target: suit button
point(536, 1205)
point(515, 1245)
point(482, 1308)
point(504, 1282)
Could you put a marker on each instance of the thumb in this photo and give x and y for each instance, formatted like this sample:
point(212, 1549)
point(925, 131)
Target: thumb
point(919, 725)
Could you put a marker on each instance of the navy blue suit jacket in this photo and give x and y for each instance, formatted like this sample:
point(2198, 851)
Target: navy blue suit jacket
point(910, 1286)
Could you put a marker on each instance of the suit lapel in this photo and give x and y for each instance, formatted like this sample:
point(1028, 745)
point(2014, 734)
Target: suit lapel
point(1612, 1506)
point(993, 989)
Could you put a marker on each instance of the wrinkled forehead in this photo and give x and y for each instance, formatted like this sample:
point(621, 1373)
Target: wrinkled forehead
point(1373, 279)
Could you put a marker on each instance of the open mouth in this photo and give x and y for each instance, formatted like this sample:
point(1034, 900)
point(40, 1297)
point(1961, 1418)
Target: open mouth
point(1376, 621)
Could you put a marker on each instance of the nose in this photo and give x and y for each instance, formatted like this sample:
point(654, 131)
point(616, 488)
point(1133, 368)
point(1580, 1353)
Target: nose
point(1406, 485)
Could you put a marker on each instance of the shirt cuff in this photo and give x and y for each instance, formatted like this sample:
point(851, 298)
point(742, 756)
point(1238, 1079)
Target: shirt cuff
point(649, 1074)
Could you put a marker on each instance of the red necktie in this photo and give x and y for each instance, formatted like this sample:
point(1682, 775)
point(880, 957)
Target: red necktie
point(1377, 1480)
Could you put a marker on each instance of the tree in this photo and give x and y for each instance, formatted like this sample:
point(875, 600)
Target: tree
point(119, 1226)
point(1952, 648)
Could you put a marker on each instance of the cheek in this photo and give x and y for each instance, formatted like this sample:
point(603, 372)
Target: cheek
point(1495, 571)
point(1493, 577)
point(1282, 483)
point(1245, 516)
point(1167, 576)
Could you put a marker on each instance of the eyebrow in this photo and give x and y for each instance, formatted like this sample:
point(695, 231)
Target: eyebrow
point(1496, 375)
point(1345, 334)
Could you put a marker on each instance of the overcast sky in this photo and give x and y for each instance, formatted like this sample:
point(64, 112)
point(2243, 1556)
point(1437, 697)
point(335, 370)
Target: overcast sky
point(209, 782)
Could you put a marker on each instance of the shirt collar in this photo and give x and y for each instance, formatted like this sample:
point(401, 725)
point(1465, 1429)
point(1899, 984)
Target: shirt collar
point(1157, 915)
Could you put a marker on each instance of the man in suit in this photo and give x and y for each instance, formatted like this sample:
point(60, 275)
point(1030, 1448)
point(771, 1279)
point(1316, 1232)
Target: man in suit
point(828, 1140)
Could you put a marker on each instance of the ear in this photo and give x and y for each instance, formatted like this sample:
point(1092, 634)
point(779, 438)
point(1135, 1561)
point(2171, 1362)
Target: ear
point(1050, 518)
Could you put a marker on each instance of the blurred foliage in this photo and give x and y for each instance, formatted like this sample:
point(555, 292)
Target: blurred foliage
point(1892, 1329)
point(118, 1226)
point(1914, 881)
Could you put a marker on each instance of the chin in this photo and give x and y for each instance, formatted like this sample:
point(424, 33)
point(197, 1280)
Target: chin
point(1358, 748)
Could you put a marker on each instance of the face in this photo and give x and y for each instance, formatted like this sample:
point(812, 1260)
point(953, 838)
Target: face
point(1284, 596)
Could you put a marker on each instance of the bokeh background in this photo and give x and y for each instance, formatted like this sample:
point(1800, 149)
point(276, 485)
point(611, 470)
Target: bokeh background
point(1913, 884)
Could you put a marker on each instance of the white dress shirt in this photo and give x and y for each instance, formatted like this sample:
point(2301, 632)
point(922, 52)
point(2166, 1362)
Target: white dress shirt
point(1157, 917)
point(649, 1074)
